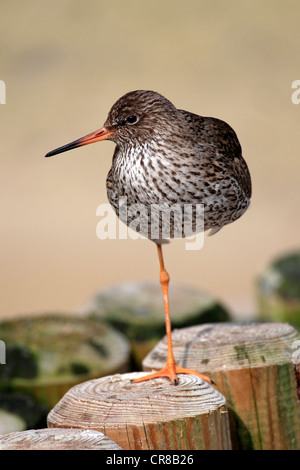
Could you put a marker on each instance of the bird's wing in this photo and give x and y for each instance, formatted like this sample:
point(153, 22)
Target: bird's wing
point(219, 142)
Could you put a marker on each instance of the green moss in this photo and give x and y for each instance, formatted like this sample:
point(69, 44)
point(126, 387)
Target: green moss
point(241, 352)
point(140, 328)
point(78, 369)
point(289, 269)
point(99, 347)
point(282, 277)
point(289, 416)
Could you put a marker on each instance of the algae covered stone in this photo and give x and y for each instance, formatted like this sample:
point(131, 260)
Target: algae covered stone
point(48, 354)
point(136, 309)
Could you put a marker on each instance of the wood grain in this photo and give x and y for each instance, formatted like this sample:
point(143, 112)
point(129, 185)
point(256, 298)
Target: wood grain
point(57, 439)
point(148, 415)
point(252, 366)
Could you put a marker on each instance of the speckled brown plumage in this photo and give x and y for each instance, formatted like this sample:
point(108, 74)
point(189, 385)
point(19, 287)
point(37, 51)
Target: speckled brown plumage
point(170, 156)
point(166, 160)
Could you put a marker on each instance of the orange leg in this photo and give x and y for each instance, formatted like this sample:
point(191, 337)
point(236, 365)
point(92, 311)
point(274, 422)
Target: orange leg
point(171, 369)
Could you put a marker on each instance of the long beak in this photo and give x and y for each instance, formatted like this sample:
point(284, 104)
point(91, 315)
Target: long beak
point(100, 134)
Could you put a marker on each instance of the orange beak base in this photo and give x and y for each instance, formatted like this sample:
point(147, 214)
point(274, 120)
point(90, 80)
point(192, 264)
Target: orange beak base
point(100, 134)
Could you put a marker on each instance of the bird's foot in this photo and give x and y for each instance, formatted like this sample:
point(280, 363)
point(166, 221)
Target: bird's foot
point(170, 371)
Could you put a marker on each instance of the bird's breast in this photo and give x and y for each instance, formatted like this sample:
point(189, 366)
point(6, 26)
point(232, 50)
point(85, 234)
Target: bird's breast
point(148, 175)
point(140, 173)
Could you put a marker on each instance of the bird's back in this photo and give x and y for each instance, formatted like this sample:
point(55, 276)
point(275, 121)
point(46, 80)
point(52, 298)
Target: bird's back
point(226, 149)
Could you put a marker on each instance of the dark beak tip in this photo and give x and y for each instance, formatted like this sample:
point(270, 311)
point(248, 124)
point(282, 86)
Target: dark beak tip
point(52, 152)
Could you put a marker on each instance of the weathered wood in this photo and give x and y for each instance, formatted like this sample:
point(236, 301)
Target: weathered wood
point(136, 309)
point(252, 365)
point(47, 355)
point(278, 290)
point(149, 415)
point(57, 439)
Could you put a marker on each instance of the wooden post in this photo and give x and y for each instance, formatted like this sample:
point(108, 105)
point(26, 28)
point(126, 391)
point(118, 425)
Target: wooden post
point(57, 439)
point(135, 308)
point(252, 365)
point(148, 415)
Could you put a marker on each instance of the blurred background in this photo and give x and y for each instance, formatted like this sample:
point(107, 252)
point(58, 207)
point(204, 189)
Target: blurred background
point(64, 64)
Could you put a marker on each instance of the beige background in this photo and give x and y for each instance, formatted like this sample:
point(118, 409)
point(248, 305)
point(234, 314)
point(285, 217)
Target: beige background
point(65, 63)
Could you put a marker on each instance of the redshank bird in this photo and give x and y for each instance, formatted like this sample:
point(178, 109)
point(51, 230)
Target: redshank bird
point(166, 157)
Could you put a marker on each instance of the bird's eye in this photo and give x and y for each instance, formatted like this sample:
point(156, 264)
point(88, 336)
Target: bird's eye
point(131, 119)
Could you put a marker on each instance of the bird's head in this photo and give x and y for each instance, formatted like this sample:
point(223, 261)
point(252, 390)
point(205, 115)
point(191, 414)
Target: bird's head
point(134, 118)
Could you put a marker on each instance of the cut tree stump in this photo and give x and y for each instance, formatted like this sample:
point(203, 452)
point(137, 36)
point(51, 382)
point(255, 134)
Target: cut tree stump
point(57, 439)
point(255, 366)
point(137, 309)
point(152, 415)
